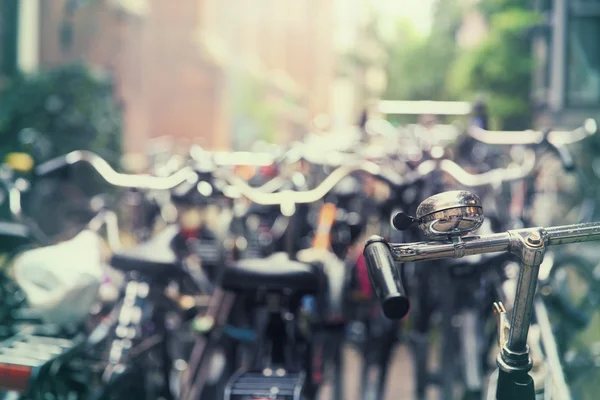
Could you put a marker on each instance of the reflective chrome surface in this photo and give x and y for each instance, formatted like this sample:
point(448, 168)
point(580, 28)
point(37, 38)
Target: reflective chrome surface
point(573, 233)
point(454, 222)
point(448, 200)
point(444, 216)
point(422, 251)
point(450, 213)
point(528, 244)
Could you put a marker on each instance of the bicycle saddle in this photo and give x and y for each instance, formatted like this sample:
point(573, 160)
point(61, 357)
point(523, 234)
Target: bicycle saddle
point(13, 235)
point(154, 258)
point(276, 272)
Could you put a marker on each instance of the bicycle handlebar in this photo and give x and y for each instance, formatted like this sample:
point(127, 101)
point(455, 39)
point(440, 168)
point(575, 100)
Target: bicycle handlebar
point(103, 168)
point(486, 178)
point(380, 259)
point(557, 138)
point(287, 197)
point(472, 245)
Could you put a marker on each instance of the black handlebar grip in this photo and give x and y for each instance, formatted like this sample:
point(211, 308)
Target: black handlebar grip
point(385, 278)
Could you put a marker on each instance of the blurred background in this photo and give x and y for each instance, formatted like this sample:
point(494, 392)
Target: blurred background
point(130, 76)
point(135, 80)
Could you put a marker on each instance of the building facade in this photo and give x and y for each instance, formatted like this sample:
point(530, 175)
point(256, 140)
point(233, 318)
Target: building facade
point(567, 62)
point(219, 73)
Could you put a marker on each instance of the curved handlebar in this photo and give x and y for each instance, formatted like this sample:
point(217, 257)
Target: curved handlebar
point(146, 182)
point(259, 196)
point(287, 197)
point(465, 178)
point(557, 138)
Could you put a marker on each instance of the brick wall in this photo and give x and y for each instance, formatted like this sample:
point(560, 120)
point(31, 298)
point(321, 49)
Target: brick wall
point(170, 86)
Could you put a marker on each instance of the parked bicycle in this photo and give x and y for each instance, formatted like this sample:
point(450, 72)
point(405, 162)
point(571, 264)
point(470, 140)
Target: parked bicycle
point(447, 219)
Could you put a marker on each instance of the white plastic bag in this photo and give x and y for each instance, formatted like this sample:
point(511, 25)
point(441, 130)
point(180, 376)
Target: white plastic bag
point(61, 282)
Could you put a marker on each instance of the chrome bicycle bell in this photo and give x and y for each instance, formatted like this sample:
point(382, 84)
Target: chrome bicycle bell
point(446, 214)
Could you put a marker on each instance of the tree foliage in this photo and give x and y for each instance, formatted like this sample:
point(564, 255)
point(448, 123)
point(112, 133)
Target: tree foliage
point(418, 65)
point(255, 117)
point(72, 106)
point(501, 66)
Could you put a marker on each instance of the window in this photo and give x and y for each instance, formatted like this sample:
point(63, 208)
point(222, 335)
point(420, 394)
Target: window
point(583, 69)
point(542, 60)
point(8, 37)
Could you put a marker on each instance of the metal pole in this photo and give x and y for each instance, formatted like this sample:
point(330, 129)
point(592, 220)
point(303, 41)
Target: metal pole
point(558, 74)
point(521, 315)
point(28, 36)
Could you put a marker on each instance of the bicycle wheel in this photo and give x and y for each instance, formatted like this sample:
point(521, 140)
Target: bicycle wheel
point(567, 194)
point(572, 293)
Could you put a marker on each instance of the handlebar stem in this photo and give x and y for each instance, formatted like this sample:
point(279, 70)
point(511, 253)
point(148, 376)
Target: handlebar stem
point(529, 246)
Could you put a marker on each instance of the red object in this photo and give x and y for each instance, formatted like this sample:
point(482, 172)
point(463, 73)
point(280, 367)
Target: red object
point(188, 234)
point(14, 377)
point(317, 374)
point(517, 204)
point(364, 283)
point(268, 170)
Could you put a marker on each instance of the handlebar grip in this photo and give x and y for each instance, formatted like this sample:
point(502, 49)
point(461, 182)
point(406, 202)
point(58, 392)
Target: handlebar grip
point(385, 278)
point(565, 157)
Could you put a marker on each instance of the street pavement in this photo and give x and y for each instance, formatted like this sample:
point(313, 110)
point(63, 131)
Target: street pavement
point(400, 381)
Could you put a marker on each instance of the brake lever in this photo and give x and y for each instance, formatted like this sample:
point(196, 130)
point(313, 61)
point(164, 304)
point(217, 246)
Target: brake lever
point(502, 323)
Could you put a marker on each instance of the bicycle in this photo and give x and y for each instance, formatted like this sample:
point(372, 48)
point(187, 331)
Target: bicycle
point(447, 220)
point(468, 289)
point(452, 288)
point(247, 279)
point(559, 270)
